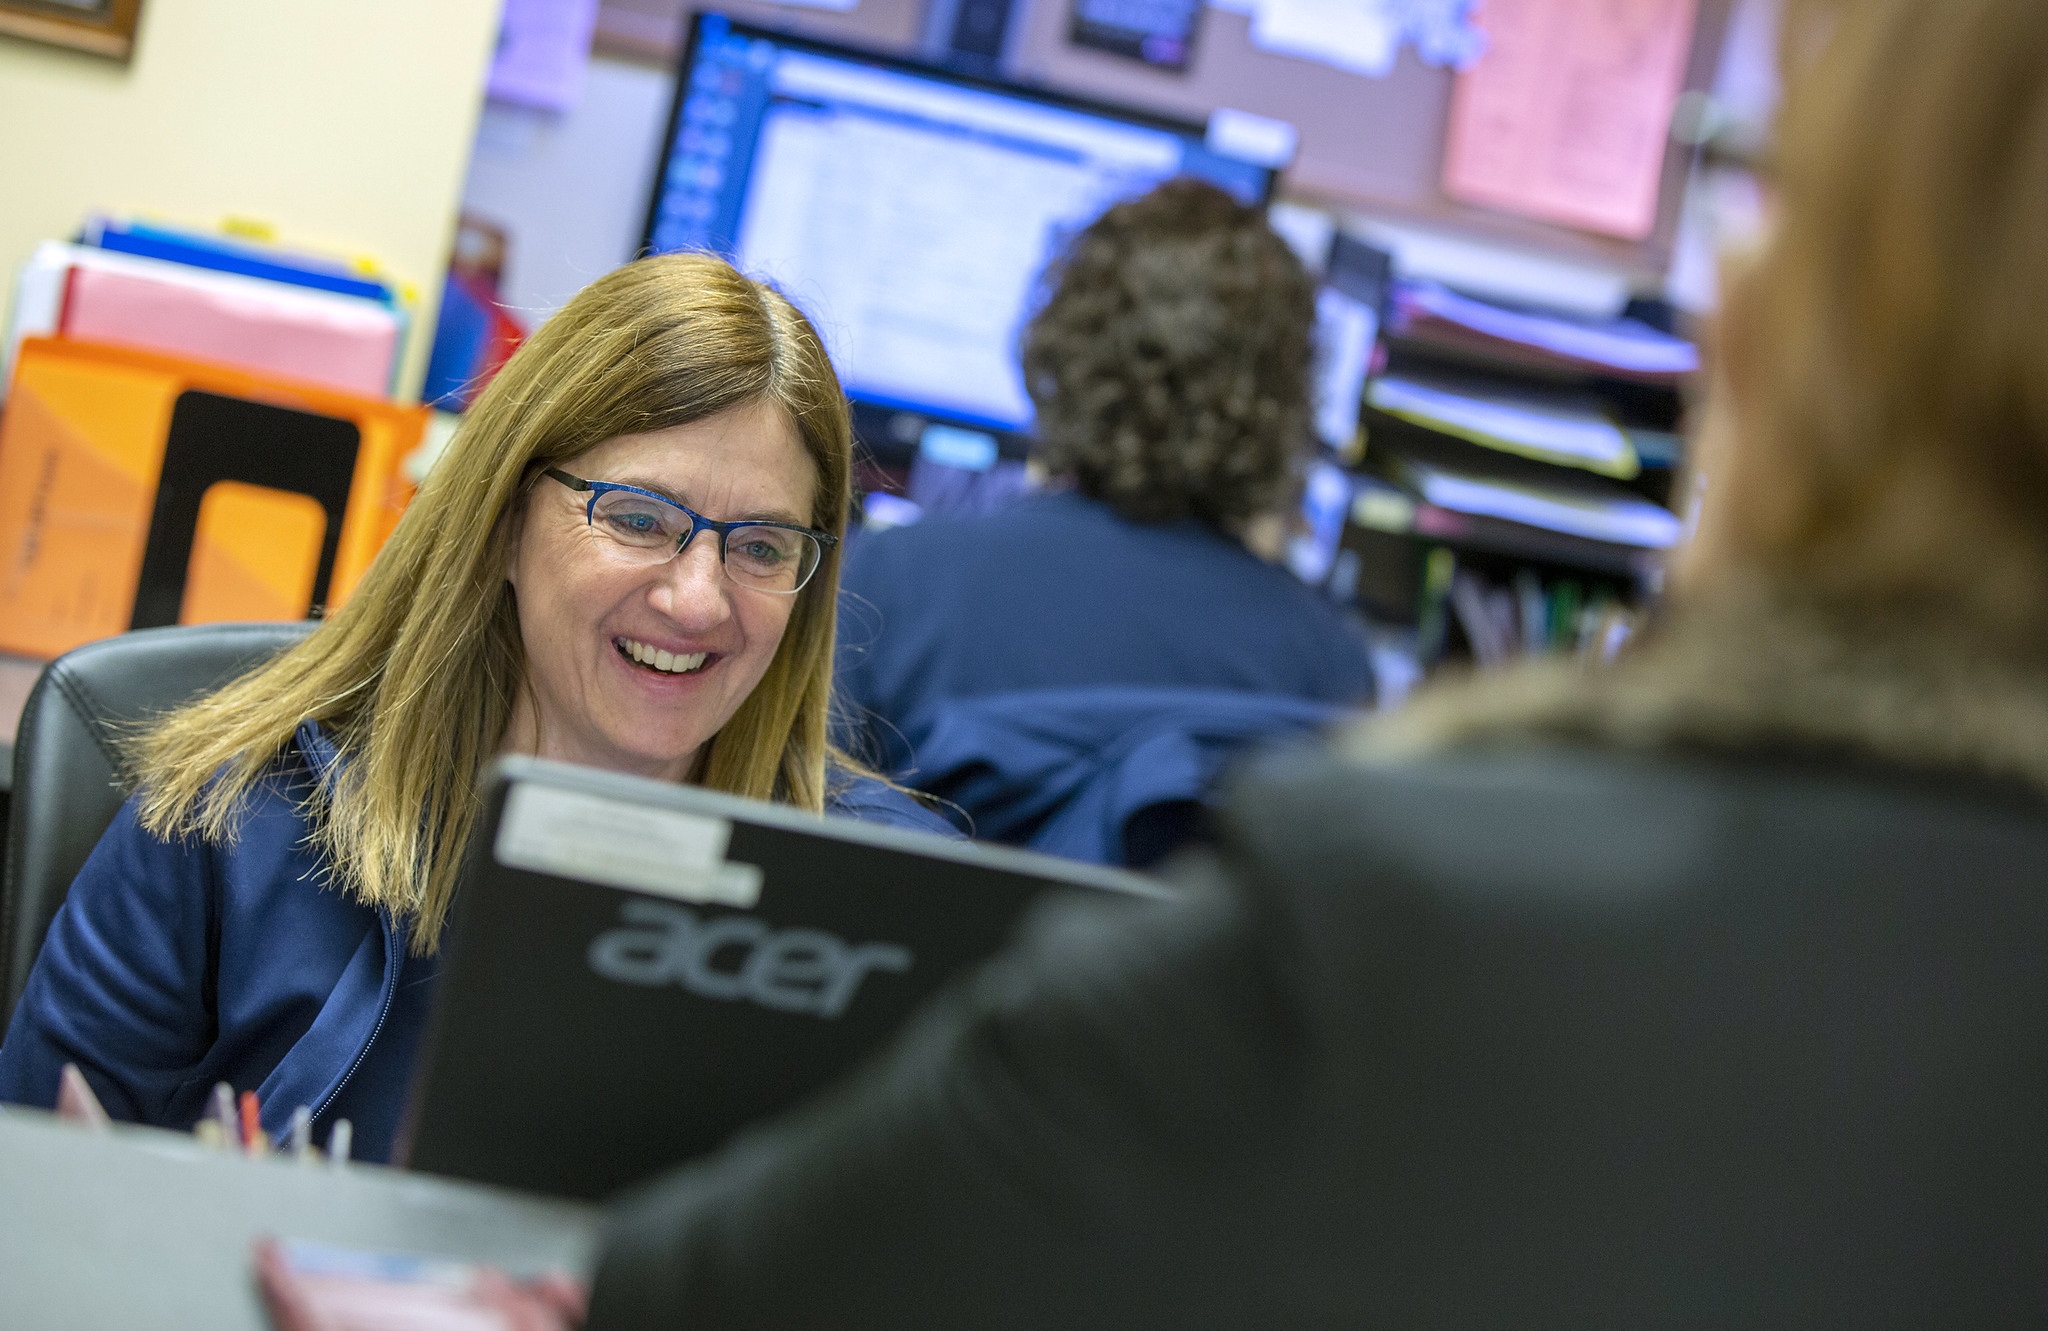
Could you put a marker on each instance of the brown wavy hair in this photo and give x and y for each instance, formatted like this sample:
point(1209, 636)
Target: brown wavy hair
point(1169, 360)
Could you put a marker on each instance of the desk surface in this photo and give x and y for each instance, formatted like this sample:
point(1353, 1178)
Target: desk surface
point(17, 677)
point(139, 1227)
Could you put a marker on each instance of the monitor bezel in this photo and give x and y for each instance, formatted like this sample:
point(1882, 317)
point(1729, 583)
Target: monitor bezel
point(1045, 96)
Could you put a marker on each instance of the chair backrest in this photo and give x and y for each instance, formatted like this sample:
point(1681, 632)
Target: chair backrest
point(1113, 774)
point(67, 784)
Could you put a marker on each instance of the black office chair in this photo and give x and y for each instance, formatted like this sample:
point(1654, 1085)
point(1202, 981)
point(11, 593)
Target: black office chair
point(66, 760)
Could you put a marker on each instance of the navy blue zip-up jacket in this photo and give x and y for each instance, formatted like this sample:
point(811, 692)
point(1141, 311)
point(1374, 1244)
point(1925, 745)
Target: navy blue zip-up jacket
point(1110, 775)
point(174, 965)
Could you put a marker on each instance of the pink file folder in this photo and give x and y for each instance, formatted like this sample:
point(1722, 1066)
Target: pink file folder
point(337, 343)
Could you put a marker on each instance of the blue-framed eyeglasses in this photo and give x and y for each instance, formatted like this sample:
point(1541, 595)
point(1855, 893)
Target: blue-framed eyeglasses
point(775, 557)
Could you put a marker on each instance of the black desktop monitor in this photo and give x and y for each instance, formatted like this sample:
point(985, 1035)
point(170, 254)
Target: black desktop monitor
point(908, 210)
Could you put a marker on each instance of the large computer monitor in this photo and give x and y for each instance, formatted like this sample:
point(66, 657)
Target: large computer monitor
point(908, 210)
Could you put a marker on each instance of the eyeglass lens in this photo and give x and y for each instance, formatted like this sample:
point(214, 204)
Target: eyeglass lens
point(774, 559)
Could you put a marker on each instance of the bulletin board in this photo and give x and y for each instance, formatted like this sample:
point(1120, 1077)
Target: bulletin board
point(1371, 144)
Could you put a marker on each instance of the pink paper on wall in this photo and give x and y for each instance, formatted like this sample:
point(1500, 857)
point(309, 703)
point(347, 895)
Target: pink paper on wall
point(543, 50)
point(318, 341)
point(1566, 115)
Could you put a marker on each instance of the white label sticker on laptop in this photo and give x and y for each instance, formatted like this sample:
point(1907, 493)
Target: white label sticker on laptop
point(597, 840)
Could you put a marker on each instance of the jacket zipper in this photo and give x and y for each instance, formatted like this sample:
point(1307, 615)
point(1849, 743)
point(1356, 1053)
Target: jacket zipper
point(390, 995)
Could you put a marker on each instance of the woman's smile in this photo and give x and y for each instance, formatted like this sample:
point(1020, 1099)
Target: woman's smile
point(658, 660)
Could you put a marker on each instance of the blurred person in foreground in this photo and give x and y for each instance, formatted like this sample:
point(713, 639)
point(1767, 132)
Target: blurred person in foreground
point(1704, 988)
point(1168, 365)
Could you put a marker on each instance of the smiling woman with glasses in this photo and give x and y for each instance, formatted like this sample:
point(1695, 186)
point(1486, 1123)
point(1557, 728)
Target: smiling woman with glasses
point(266, 908)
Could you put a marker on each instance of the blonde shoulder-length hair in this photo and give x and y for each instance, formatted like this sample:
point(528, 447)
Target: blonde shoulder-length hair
point(414, 678)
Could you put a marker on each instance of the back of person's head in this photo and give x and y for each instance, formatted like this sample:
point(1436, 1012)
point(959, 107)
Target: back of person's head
point(1169, 361)
point(1878, 433)
point(415, 676)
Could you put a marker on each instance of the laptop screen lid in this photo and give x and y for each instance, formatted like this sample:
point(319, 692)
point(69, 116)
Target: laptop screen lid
point(634, 970)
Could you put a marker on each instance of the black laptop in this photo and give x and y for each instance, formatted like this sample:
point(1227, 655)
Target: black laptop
point(635, 970)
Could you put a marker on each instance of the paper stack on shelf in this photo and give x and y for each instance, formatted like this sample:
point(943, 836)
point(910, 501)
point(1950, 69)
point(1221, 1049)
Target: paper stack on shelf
point(1549, 426)
point(1401, 512)
point(1620, 348)
point(344, 342)
point(1618, 518)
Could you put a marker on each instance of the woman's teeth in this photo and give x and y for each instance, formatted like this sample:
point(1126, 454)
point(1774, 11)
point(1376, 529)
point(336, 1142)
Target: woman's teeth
point(655, 658)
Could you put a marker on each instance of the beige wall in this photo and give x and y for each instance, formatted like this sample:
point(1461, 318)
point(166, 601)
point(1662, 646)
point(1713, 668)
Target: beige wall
point(346, 124)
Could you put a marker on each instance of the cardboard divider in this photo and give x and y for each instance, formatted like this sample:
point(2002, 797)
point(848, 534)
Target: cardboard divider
point(140, 489)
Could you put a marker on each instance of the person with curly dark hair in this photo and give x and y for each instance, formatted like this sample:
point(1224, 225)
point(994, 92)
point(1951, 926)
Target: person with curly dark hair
point(1170, 362)
point(1169, 365)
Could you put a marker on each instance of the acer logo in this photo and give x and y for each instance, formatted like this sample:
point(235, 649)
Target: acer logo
point(735, 957)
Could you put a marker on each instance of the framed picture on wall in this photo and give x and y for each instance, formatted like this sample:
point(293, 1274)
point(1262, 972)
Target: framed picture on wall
point(103, 27)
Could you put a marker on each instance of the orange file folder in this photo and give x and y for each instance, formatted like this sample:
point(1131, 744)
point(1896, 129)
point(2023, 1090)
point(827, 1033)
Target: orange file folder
point(139, 489)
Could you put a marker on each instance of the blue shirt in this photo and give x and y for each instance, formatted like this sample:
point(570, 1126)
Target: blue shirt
point(174, 965)
point(1059, 591)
